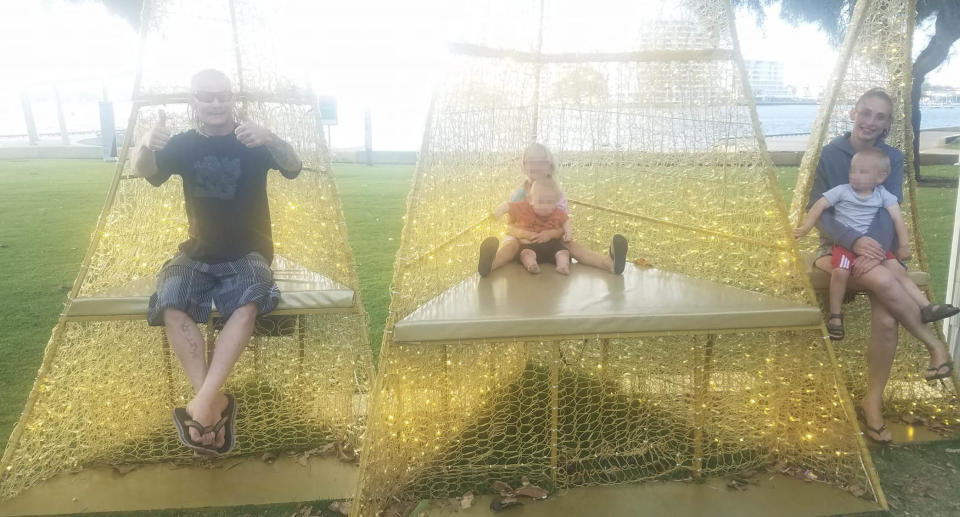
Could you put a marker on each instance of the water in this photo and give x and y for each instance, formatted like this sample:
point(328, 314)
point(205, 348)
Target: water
point(790, 119)
point(83, 117)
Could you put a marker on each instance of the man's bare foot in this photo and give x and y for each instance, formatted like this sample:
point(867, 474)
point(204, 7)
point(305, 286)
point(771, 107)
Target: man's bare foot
point(206, 415)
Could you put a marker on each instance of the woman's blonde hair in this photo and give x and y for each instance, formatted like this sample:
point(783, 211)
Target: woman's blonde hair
point(542, 149)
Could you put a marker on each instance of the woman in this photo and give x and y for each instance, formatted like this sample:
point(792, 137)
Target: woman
point(889, 302)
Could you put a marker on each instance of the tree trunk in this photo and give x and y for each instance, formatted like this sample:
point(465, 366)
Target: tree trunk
point(947, 32)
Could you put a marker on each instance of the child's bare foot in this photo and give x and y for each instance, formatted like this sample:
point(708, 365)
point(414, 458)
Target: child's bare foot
point(529, 260)
point(562, 259)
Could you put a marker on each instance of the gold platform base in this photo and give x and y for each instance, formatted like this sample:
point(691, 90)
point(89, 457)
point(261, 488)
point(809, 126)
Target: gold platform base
point(771, 494)
point(231, 482)
point(906, 434)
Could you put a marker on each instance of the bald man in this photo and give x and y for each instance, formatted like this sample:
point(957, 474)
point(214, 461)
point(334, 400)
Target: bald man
point(226, 259)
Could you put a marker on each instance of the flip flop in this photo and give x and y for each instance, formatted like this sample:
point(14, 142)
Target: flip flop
point(618, 252)
point(488, 250)
point(228, 421)
point(183, 423)
point(936, 312)
point(937, 376)
point(862, 417)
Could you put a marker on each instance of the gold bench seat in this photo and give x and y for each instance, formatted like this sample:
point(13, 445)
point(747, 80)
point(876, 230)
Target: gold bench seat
point(512, 303)
point(301, 291)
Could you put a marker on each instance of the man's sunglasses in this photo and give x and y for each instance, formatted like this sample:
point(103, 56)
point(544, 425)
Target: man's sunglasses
point(210, 96)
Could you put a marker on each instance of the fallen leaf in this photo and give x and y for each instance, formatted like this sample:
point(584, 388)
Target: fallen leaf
point(500, 503)
point(303, 458)
point(641, 262)
point(502, 488)
point(341, 507)
point(123, 469)
point(466, 501)
point(857, 490)
point(953, 451)
point(737, 484)
point(809, 476)
point(399, 509)
point(345, 453)
point(532, 491)
point(911, 419)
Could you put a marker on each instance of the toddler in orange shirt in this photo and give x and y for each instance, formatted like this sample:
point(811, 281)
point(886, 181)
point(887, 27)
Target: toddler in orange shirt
point(541, 226)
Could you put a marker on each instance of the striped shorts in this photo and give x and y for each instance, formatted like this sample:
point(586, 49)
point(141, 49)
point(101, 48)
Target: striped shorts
point(196, 287)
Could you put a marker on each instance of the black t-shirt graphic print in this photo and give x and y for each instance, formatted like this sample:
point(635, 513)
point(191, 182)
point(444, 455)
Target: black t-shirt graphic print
point(225, 194)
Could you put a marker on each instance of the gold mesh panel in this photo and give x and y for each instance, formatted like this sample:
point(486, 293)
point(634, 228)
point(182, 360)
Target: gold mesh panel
point(876, 53)
point(106, 388)
point(646, 108)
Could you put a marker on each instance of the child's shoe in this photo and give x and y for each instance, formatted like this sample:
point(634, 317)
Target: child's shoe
point(488, 250)
point(835, 330)
point(618, 252)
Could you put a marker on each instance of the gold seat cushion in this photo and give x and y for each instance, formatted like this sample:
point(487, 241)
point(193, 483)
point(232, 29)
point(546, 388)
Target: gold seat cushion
point(300, 290)
point(511, 303)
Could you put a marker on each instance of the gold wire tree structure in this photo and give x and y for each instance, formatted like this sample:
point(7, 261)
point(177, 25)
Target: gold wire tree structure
point(105, 390)
point(876, 52)
point(714, 362)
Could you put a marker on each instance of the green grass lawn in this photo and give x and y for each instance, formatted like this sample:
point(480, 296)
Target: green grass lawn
point(50, 207)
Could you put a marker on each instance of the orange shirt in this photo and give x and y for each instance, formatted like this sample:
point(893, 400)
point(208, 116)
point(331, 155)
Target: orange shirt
point(523, 216)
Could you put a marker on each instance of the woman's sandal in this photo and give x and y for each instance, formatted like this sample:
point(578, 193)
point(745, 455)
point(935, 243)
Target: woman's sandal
point(862, 417)
point(937, 312)
point(835, 330)
point(937, 376)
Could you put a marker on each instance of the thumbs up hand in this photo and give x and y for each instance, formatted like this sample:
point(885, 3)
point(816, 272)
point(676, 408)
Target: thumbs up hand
point(158, 137)
point(252, 135)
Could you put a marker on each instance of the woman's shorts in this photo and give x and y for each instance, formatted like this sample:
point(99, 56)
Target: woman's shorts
point(546, 251)
point(195, 287)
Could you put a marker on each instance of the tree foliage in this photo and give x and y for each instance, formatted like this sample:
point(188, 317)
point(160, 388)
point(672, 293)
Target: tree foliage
point(833, 16)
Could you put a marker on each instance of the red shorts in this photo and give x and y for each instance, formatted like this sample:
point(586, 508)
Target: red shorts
point(842, 258)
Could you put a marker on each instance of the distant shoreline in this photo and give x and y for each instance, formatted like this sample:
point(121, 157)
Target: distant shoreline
point(786, 103)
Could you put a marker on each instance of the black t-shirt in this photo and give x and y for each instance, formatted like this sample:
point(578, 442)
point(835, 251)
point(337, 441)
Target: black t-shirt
point(225, 194)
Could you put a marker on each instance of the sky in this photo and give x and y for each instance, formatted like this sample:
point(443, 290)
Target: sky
point(377, 55)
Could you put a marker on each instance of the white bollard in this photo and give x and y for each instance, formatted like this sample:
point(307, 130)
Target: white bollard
point(951, 326)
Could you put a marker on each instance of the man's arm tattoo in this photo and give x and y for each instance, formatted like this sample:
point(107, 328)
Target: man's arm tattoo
point(284, 154)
